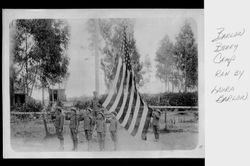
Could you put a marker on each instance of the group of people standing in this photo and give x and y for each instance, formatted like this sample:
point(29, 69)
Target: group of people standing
point(93, 121)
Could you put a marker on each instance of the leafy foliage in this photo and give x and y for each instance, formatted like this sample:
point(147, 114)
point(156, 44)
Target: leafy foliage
point(40, 52)
point(187, 55)
point(111, 31)
point(166, 63)
point(172, 99)
point(161, 99)
point(146, 70)
point(177, 63)
point(30, 106)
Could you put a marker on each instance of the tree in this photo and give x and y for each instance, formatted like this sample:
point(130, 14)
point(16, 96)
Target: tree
point(147, 69)
point(23, 51)
point(187, 56)
point(39, 51)
point(166, 62)
point(111, 31)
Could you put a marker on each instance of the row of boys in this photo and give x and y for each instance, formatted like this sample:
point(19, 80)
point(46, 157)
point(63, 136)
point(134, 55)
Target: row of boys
point(91, 123)
point(97, 123)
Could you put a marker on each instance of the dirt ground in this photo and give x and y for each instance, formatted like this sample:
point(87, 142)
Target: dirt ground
point(29, 136)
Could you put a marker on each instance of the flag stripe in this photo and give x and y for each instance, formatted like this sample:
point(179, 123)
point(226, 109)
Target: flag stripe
point(139, 116)
point(107, 100)
point(135, 116)
point(124, 111)
point(130, 104)
point(123, 92)
point(142, 120)
point(119, 114)
point(138, 120)
point(130, 116)
point(117, 99)
point(119, 82)
point(146, 124)
point(132, 112)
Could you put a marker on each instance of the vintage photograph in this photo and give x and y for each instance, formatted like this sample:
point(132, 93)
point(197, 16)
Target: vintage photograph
point(105, 84)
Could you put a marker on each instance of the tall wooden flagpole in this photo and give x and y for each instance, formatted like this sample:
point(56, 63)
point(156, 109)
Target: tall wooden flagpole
point(96, 59)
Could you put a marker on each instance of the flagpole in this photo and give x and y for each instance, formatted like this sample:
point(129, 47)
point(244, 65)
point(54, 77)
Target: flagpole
point(96, 59)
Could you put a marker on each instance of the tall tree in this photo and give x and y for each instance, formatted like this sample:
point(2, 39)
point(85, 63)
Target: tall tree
point(111, 31)
point(187, 56)
point(40, 52)
point(147, 69)
point(166, 62)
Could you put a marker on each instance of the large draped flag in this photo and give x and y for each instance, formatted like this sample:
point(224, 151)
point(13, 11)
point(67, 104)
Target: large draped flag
point(132, 112)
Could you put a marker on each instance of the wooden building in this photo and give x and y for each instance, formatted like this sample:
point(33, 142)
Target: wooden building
point(56, 95)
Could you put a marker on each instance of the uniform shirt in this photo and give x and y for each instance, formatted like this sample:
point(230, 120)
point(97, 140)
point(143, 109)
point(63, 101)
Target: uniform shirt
point(59, 121)
point(156, 119)
point(95, 103)
point(88, 121)
point(73, 124)
point(100, 125)
point(82, 114)
point(113, 124)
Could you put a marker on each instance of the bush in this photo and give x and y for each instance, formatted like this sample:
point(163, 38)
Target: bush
point(162, 99)
point(83, 104)
point(88, 102)
point(172, 99)
point(31, 106)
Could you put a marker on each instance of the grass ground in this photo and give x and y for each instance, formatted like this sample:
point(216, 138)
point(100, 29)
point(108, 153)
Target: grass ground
point(29, 136)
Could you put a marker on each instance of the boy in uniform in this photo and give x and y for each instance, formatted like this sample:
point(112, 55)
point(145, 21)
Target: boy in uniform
point(59, 122)
point(95, 104)
point(73, 125)
point(88, 125)
point(101, 129)
point(113, 129)
point(156, 123)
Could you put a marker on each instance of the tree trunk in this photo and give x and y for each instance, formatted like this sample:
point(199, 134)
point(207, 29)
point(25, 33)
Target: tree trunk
point(165, 120)
point(33, 83)
point(47, 133)
point(43, 95)
point(26, 69)
point(185, 83)
point(172, 82)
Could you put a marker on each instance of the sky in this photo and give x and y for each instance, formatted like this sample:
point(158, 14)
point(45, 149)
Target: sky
point(148, 33)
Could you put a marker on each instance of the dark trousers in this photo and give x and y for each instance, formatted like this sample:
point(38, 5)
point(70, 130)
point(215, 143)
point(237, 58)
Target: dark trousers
point(59, 134)
point(113, 135)
point(88, 134)
point(73, 134)
point(156, 131)
point(101, 139)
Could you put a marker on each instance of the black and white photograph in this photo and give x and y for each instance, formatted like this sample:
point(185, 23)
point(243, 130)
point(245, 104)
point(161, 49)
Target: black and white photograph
point(98, 83)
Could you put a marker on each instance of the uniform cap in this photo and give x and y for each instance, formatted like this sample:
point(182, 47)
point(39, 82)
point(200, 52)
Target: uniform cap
point(59, 109)
point(89, 109)
point(158, 110)
point(73, 109)
point(101, 114)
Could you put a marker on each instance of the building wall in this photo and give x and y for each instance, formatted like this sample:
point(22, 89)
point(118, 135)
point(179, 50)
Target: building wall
point(60, 95)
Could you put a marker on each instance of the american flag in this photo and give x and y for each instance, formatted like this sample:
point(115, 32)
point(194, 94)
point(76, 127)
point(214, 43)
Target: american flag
point(132, 112)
